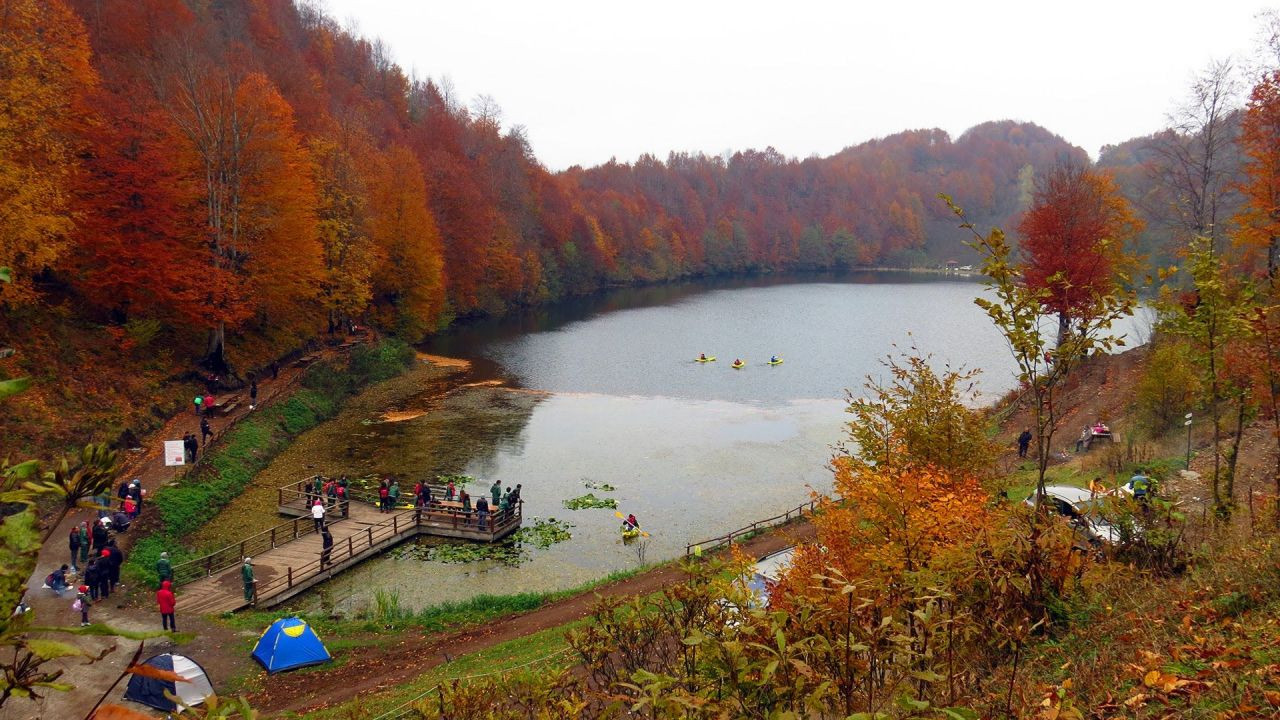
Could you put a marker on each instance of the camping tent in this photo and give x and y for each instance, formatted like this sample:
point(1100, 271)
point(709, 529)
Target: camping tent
point(151, 691)
point(289, 643)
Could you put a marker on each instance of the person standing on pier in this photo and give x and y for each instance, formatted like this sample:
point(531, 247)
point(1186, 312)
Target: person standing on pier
point(250, 584)
point(317, 514)
point(326, 547)
point(393, 495)
point(482, 511)
point(495, 491)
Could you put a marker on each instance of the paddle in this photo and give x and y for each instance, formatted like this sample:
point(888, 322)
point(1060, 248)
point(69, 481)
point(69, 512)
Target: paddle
point(623, 519)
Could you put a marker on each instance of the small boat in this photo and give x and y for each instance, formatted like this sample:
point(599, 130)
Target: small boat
point(706, 359)
point(775, 362)
point(628, 534)
point(738, 365)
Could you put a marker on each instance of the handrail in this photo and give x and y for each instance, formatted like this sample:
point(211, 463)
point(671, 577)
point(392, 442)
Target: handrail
point(395, 525)
point(224, 558)
point(727, 539)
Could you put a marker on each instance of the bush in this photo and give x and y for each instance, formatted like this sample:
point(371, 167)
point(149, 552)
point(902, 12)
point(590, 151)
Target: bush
point(1169, 388)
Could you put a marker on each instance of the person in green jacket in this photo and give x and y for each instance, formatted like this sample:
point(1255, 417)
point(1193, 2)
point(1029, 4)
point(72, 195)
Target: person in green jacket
point(84, 543)
point(164, 571)
point(496, 491)
point(318, 489)
point(393, 493)
point(250, 585)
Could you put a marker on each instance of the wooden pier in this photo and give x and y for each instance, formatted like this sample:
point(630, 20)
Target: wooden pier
point(286, 558)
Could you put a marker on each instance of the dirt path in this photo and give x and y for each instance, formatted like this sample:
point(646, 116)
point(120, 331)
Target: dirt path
point(377, 668)
point(131, 608)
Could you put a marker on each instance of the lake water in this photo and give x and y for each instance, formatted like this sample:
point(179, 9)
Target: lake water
point(606, 390)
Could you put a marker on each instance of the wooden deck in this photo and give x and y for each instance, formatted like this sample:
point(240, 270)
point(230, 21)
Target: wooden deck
point(286, 558)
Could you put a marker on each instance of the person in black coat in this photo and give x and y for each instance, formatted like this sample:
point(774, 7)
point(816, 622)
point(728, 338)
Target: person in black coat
point(103, 574)
point(114, 561)
point(100, 537)
point(91, 578)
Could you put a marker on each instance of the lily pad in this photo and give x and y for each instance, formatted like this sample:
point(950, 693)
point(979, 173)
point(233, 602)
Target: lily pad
point(590, 501)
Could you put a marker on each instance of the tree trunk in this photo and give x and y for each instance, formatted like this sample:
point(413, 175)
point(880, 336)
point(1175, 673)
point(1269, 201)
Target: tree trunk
point(215, 356)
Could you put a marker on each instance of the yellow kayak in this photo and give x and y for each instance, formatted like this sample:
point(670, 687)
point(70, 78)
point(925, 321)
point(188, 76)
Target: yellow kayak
point(775, 362)
point(628, 534)
point(738, 365)
point(710, 359)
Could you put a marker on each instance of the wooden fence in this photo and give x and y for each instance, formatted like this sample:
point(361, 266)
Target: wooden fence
point(234, 554)
point(728, 538)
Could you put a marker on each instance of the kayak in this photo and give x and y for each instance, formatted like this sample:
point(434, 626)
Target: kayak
point(710, 359)
point(738, 365)
point(773, 362)
point(628, 534)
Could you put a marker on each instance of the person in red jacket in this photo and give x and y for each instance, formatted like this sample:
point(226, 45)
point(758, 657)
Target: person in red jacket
point(166, 601)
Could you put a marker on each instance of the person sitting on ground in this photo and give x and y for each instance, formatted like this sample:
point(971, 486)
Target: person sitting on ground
point(1140, 484)
point(57, 580)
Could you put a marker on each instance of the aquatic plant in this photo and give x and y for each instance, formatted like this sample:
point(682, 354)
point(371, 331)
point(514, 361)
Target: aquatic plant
point(590, 501)
point(542, 535)
point(606, 487)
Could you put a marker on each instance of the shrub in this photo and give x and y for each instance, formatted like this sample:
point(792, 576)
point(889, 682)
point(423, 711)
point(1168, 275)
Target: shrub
point(1169, 387)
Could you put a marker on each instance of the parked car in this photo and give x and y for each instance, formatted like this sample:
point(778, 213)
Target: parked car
point(1081, 508)
point(767, 570)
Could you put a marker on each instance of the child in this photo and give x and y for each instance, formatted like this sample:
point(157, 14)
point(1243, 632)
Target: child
point(82, 604)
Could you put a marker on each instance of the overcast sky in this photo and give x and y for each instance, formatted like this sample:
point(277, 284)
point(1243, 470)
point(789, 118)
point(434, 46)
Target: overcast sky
point(597, 79)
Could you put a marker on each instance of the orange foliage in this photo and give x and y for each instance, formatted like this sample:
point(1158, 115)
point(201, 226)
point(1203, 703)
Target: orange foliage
point(888, 523)
point(1073, 236)
point(45, 78)
point(1259, 218)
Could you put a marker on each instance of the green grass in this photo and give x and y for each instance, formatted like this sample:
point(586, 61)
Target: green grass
point(387, 614)
point(504, 657)
point(250, 445)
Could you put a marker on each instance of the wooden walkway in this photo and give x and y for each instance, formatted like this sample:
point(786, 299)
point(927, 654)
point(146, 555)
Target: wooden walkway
point(286, 558)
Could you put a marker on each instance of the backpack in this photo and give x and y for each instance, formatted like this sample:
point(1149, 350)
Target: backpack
point(382, 491)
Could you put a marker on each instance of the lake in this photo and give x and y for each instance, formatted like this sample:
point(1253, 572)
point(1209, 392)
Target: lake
point(606, 390)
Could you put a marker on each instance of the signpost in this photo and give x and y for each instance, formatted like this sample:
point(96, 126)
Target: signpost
point(174, 453)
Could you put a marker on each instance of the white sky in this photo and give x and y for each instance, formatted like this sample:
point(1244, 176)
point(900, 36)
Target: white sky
point(596, 79)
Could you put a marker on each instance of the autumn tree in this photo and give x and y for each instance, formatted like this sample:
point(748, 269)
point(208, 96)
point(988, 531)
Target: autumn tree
point(408, 282)
point(1216, 317)
point(259, 196)
point(1074, 237)
point(45, 78)
point(349, 254)
point(919, 419)
point(1259, 217)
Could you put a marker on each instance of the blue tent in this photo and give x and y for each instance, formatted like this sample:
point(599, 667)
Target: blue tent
point(289, 643)
point(191, 691)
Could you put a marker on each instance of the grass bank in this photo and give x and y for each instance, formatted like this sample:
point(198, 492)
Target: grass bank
point(386, 614)
point(249, 446)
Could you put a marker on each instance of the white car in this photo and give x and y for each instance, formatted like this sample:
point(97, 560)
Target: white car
point(767, 570)
point(1080, 507)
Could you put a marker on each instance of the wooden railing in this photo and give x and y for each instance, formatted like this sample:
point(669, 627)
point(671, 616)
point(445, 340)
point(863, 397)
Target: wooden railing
point(232, 555)
point(305, 489)
point(728, 538)
point(394, 526)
